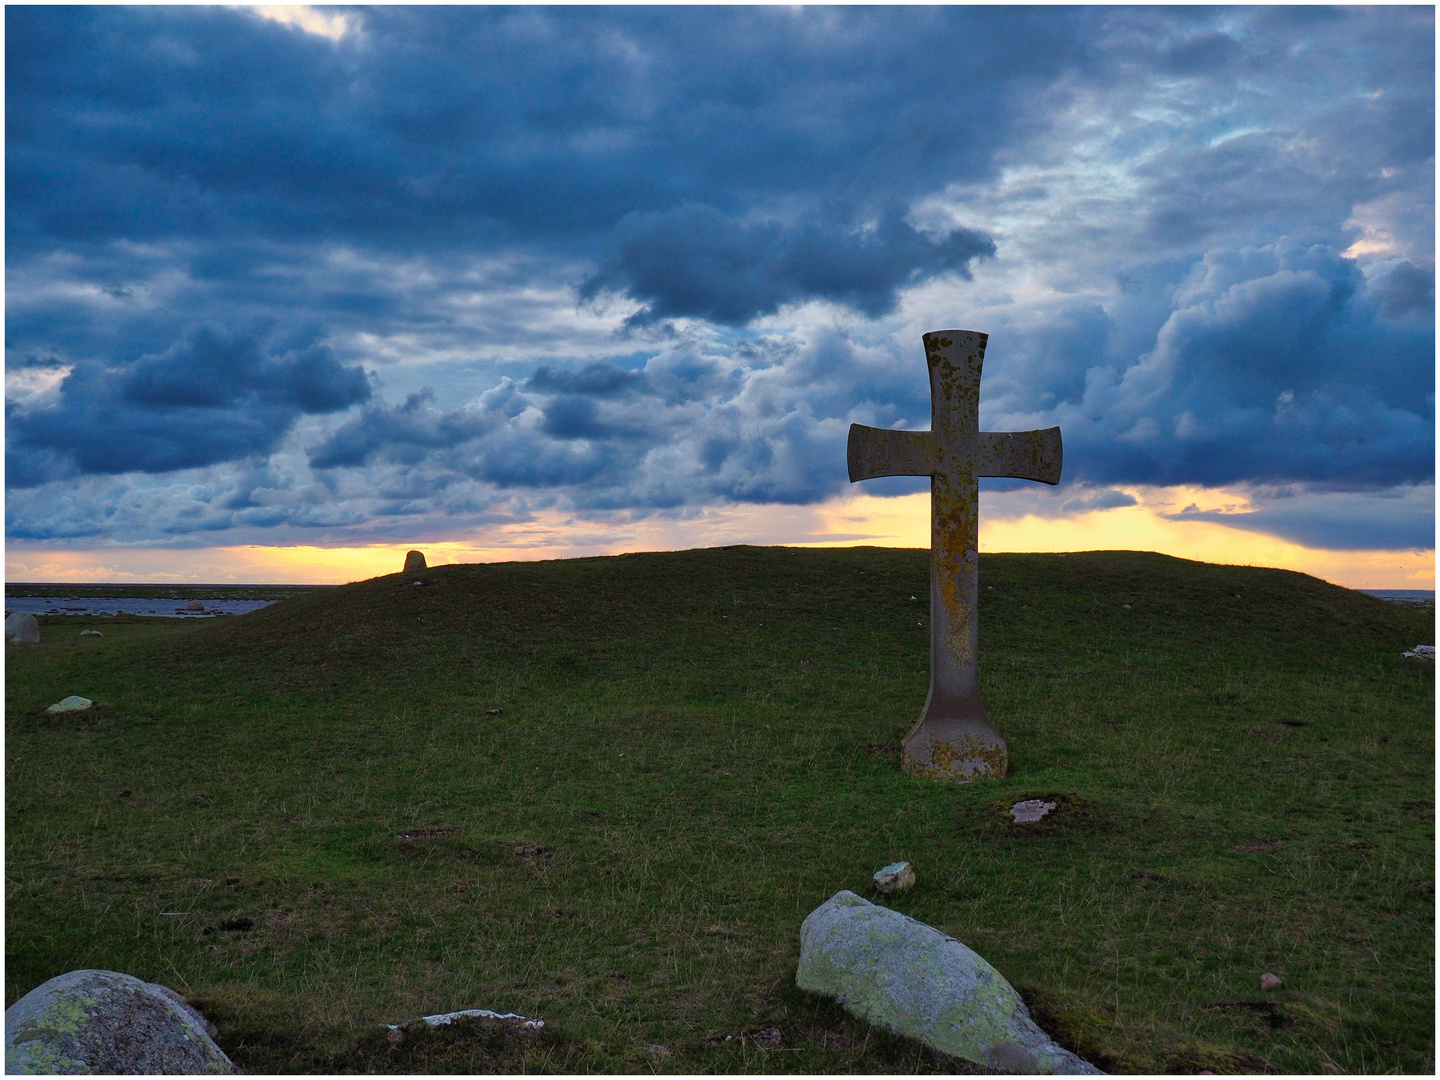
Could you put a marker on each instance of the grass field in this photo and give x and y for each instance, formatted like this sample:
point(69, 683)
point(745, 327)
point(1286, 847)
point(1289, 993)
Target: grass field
point(605, 793)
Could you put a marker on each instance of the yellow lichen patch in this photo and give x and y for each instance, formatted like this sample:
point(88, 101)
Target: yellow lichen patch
point(960, 758)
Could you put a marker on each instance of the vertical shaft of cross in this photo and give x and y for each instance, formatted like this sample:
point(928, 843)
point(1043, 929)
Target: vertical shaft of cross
point(954, 359)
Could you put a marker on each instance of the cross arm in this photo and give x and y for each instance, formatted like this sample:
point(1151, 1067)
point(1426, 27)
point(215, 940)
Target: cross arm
point(873, 452)
point(1025, 455)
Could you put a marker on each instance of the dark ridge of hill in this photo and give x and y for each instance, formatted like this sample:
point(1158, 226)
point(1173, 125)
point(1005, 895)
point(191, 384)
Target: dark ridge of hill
point(623, 617)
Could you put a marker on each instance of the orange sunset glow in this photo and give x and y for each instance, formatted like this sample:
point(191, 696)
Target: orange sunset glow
point(852, 519)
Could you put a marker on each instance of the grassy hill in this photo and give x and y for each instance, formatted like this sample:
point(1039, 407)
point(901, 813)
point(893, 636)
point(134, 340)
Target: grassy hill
point(605, 792)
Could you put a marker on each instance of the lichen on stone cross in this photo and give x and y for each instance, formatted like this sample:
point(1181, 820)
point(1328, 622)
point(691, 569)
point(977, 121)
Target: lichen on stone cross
point(954, 739)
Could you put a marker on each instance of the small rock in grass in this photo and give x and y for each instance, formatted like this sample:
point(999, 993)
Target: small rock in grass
point(513, 1020)
point(1270, 982)
point(770, 1037)
point(1030, 810)
point(897, 877)
point(73, 703)
point(91, 633)
point(414, 562)
point(657, 1050)
point(22, 629)
point(1421, 652)
point(106, 1022)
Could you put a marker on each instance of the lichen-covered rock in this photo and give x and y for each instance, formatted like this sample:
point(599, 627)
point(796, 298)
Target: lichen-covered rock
point(22, 629)
point(106, 1022)
point(414, 562)
point(911, 979)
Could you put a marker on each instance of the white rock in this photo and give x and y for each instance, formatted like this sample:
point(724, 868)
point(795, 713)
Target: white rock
point(1270, 982)
point(73, 703)
point(109, 1023)
point(1030, 810)
point(909, 978)
point(897, 877)
point(440, 1019)
point(92, 633)
point(22, 629)
point(1421, 652)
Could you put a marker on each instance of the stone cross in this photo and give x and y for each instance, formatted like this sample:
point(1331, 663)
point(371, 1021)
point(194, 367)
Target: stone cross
point(953, 739)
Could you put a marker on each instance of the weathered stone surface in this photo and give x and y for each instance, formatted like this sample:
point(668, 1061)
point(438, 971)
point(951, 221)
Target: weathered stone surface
point(195, 605)
point(910, 978)
point(73, 703)
point(1421, 652)
point(1270, 982)
point(954, 739)
point(105, 1022)
point(22, 629)
point(897, 877)
point(1030, 810)
point(414, 562)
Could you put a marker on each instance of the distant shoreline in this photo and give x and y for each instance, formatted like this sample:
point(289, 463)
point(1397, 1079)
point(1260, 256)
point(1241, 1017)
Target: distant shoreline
point(1413, 597)
point(144, 591)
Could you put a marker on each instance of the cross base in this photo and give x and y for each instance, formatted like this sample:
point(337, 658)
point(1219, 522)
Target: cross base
point(959, 750)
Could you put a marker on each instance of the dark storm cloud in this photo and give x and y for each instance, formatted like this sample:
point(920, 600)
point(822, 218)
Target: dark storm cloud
point(1402, 288)
point(1103, 499)
point(597, 379)
point(213, 397)
point(1339, 521)
point(1276, 364)
point(695, 261)
point(458, 126)
point(449, 190)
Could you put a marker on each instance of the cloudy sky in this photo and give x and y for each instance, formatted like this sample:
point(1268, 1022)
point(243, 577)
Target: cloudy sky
point(290, 290)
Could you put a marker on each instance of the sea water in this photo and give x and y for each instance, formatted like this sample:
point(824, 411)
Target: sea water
point(167, 607)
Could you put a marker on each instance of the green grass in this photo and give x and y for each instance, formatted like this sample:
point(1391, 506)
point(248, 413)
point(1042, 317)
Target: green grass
point(694, 750)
